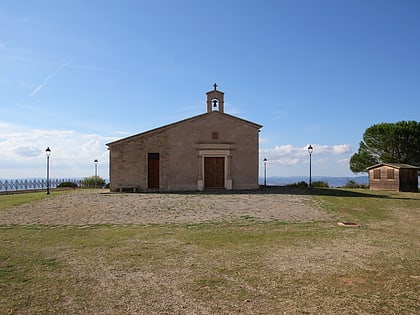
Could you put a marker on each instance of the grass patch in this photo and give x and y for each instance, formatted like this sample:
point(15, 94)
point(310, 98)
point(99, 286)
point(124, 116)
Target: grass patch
point(7, 201)
point(365, 205)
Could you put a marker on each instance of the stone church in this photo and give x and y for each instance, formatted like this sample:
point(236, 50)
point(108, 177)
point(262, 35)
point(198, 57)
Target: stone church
point(213, 150)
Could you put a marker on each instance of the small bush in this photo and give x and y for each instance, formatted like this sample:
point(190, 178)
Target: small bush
point(67, 184)
point(93, 182)
point(300, 184)
point(320, 184)
point(352, 184)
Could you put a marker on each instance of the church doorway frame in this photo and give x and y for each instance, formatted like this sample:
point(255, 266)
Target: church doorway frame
point(221, 154)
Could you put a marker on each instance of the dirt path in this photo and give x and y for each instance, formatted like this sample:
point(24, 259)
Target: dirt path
point(93, 207)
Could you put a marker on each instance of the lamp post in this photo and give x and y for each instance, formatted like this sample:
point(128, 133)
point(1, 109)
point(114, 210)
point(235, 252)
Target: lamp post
point(47, 153)
point(310, 150)
point(265, 172)
point(96, 170)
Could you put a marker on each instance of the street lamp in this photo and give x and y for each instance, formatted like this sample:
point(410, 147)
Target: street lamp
point(47, 153)
point(96, 170)
point(265, 172)
point(96, 167)
point(310, 150)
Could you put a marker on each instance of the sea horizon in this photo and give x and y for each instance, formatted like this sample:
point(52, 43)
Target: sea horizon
point(333, 181)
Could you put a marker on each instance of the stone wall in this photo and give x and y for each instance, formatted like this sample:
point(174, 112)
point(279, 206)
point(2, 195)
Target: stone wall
point(181, 153)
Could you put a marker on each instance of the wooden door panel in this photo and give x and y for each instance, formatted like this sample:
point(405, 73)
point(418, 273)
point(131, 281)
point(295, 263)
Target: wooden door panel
point(214, 172)
point(153, 170)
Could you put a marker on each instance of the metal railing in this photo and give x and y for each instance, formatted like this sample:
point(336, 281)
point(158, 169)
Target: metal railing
point(34, 184)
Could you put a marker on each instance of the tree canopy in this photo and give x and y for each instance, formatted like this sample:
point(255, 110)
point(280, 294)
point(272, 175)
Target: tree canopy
point(388, 143)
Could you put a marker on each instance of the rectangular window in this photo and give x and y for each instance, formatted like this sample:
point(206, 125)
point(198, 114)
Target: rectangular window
point(215, 135)
point(377, 174)
point(390, 173)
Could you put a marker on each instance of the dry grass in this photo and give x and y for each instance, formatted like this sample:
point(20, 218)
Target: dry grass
point(241, 264)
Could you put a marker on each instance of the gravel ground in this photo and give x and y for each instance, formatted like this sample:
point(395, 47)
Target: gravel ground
point(83, 207)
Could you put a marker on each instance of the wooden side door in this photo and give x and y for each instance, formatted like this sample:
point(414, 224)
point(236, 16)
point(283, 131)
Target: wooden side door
point(214, 172)
point(153, 170)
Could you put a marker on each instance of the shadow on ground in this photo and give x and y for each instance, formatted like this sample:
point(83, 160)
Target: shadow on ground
point(287, 190)
point(315, 191)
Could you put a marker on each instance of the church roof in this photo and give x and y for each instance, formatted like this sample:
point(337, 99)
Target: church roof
point(159, 129)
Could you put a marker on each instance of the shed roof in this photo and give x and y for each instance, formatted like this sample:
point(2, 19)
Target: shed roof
point(393, 165)
point(142, 134)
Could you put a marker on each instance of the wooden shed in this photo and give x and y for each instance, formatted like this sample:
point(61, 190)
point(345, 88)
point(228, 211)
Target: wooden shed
point(394, 176)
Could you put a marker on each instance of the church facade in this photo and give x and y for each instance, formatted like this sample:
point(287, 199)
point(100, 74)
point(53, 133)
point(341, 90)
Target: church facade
point(213, 150)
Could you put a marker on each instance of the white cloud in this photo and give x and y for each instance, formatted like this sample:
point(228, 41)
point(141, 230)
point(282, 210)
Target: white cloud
point(290, 160)
point(285, 154)
point(22, 152)
point(344, 161)
point(341, 148)
point(4, 125)
point(332, 149)
point(27, 151)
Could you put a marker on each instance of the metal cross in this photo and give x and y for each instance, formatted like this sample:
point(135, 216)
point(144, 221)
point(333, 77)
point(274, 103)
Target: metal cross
point(215, 86)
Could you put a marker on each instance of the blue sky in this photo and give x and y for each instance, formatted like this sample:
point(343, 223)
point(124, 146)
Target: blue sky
point(75, 75)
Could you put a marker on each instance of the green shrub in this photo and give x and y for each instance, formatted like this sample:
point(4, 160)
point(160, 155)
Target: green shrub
point(93, 182)
point(352, 184)
point(67, 184)
point(300, 184)
point(320, 184)
point(303, 184)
